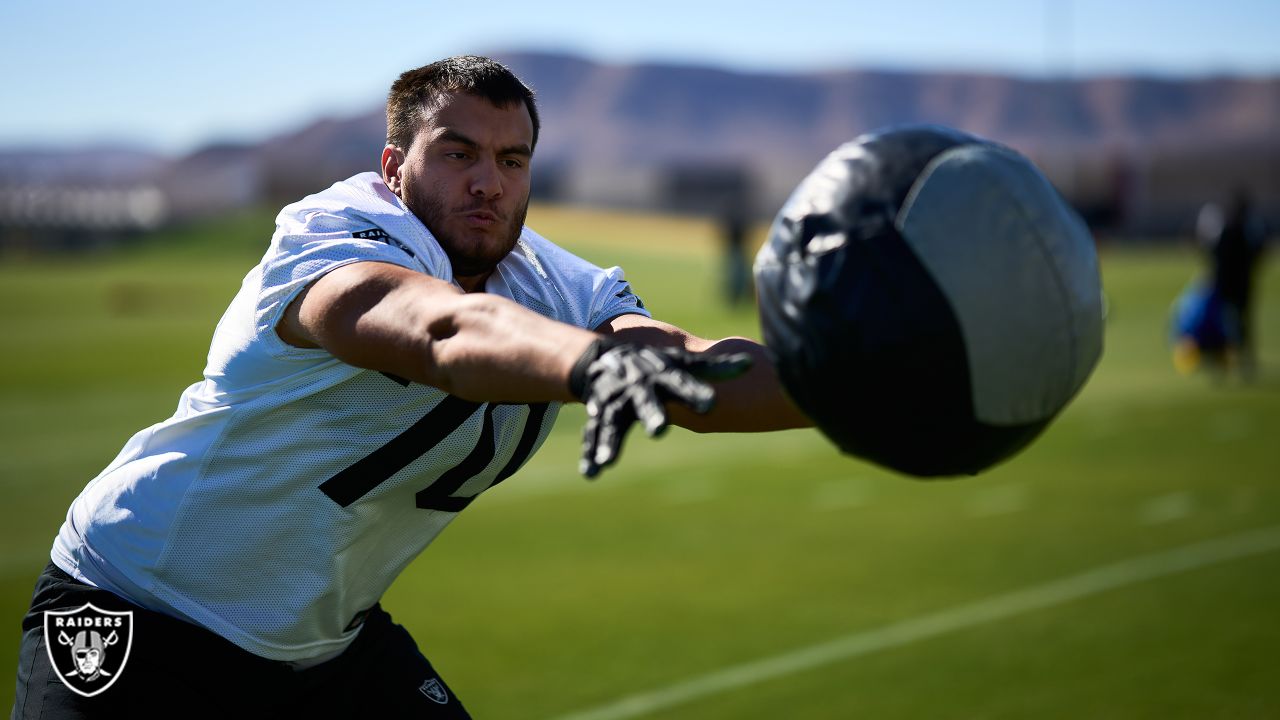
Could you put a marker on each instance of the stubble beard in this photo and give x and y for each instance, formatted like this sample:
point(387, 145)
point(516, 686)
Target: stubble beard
point(468, 259)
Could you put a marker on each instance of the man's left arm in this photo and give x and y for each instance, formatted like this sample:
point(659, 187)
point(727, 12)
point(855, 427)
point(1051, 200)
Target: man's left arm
point(752, 402)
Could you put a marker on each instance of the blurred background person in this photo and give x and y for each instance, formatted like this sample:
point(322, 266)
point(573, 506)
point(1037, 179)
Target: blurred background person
point(1219, 314)
point(736, 266)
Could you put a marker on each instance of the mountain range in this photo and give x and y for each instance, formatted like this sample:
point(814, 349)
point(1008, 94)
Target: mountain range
point(615, 134)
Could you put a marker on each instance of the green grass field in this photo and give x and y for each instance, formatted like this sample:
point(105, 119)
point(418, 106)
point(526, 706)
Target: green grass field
point(701, 555)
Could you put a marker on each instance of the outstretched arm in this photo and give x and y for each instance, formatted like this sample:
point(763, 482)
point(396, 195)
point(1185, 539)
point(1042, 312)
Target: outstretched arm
point(486, 348)
point(477, 346)
point(752, 402)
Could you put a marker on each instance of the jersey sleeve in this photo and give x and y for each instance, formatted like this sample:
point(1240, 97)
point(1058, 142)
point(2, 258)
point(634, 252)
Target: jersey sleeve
point(296, 261)
point(612, 297)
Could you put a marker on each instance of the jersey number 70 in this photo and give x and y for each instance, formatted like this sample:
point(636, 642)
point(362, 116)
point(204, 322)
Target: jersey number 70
point(377, 467)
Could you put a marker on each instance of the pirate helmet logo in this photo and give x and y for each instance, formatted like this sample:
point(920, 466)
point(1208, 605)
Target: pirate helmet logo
point(434, 690)
point(88, 647)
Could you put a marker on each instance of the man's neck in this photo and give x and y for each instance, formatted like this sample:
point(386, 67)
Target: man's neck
point(472, 283)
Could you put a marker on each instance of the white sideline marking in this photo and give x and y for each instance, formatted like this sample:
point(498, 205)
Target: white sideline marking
point(1036, 597)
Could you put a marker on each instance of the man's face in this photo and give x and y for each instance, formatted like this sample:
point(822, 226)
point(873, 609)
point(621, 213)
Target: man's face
point(87, 660)
point(466, 177)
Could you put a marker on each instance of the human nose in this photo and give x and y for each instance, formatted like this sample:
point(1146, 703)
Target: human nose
point(486, 181)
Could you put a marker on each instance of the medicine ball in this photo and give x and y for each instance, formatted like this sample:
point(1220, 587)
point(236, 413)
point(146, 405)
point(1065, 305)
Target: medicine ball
point(931, 300)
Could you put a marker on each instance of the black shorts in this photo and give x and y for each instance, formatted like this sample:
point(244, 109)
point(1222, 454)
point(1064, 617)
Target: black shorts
point(176, 669)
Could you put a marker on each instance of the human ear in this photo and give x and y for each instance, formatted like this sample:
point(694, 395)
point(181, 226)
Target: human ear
point(392, 160)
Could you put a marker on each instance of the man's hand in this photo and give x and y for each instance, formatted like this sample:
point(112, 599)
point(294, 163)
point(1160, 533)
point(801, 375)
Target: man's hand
point(623, 383)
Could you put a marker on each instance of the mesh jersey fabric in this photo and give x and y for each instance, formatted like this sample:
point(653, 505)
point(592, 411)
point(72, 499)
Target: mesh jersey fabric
point(217, 515)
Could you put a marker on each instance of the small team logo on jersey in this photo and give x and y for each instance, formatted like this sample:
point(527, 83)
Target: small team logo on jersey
point(434, 690)
point(381, 236)
point(88, 646)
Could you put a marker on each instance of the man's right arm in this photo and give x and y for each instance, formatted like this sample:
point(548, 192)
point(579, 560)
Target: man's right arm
point(477, 346)
point(486, 348)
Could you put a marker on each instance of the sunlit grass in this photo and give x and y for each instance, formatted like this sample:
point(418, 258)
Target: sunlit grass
point(553, 593)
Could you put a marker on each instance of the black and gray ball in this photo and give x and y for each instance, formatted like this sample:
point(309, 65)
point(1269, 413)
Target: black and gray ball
point(932, 301)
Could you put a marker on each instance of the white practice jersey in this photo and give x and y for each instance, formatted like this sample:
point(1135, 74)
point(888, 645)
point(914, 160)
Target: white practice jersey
point(290, 489)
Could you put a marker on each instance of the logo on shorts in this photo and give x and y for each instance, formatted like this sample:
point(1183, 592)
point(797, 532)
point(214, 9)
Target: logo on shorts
point(88, 647)
point(434, 689)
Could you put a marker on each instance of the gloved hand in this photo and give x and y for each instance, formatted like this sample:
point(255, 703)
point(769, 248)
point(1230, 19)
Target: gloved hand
point(621, 383)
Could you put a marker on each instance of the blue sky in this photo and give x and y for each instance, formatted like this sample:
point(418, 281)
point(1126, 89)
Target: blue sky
point(173, 75)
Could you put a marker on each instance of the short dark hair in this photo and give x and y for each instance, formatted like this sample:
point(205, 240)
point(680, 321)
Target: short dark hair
point(415, 89)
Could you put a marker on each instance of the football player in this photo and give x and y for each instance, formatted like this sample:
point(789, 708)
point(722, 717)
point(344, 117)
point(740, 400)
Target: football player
point(404, 345)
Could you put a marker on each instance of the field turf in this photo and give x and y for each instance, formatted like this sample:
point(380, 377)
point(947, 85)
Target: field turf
point(1069, 582)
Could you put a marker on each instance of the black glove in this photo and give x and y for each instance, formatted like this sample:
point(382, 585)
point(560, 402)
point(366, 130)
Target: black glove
point(621, 383)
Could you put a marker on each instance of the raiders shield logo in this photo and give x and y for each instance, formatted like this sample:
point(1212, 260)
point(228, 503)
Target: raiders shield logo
point(88, 647)
point(434, 690)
